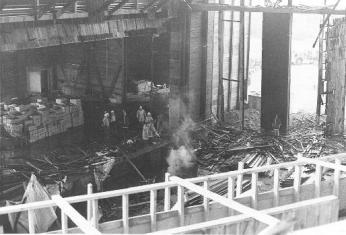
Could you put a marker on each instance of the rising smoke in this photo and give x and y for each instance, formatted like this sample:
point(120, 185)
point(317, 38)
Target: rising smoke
point(182, 159)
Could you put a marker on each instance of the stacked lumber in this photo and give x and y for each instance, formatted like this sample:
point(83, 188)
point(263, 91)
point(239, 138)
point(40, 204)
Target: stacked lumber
point(41, 119)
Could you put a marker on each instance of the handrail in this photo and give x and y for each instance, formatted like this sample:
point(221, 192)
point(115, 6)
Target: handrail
point(260, 216)
point(77, 218)
point(169, 184)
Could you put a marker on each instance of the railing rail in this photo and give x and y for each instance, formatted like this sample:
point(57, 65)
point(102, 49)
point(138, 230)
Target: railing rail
point(234, 184)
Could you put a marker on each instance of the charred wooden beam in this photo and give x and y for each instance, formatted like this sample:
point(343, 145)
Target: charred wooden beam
point(151, 4)
point(65, 7)
point(102, 8)
point(287, 10)
point(117, 7)
point(49, 7)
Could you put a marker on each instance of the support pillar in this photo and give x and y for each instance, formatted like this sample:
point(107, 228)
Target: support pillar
point(276, 64)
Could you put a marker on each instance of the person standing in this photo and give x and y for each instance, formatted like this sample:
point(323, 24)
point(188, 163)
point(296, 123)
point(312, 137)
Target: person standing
point(149, 128)
point(113, 121)
point(140, 115)
point(106, 124)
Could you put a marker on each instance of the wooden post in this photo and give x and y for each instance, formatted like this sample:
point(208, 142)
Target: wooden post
point(276, 187)
point(31, 222)
point(239, 188)
point(248, 50)
point(95, 211)
point(230, 192)
point(89, 206)
point(254, 181)
point(230, 61)
point(181, 207)
point(337, 178)
point(124, 95)
point(125, 209)
point(318, 175)
point(241, 65)
point(220, 103)
point(167, 200)
point(153, 199)
point(206, 201)
point(64, 223)
point(296, 183)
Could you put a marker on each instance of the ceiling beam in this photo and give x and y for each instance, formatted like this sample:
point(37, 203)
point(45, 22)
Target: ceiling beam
point(289, 10)
point(48, 7)
point(102, 8)
point(152, 3)
point(117, 7)
point(65, 7)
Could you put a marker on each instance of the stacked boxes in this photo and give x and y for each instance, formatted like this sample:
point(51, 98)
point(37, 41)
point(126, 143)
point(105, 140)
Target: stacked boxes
point(44, 119)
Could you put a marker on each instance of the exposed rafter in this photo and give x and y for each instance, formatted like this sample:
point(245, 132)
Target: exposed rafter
point(152, 3)
point(102, 8)
point(117, 7)
point(65, 7)
point(289, 10)
point(46, 8)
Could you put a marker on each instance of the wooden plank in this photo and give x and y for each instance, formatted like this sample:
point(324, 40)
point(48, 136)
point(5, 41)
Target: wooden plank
point(276, 188)
point(61, 11)
point(225, 201)
point(125, 210)
point(331, 200)
point(153, 202)
point(230, 191)
point(77, 218)
point(284, 10)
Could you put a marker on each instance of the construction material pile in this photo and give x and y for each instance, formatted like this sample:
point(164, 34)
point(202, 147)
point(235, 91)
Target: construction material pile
point(59, 170)
point(219, 148)
point(37, 120)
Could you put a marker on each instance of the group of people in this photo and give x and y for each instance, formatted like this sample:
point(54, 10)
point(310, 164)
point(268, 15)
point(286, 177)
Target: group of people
point(146, 124)
point(145, 121)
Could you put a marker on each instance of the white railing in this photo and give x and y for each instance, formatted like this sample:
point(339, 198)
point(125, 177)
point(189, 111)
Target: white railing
point(234, 179)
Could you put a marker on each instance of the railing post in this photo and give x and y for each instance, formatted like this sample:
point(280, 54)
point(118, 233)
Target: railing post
point(64, 223)
point(206, 201)
point(296, 183)
point(254, 181)
point(89, 206)
point(125, 209)
point(276, 187)
point(95, 212)
point(153, 198)
point(181, 206)
point(230, 192)
point(31, 221)
point(240, 179)
point(318, 175)
point(167, 200)
point(337, 178)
